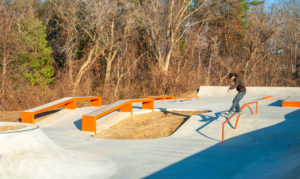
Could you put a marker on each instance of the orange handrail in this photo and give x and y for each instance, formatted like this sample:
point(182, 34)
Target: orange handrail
point(89, 121)
point(267, 97)
point(245, 105)
point(294, 104)
point(28, 116)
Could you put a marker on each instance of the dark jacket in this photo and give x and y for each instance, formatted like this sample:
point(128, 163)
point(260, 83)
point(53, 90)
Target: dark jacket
point(238, 84)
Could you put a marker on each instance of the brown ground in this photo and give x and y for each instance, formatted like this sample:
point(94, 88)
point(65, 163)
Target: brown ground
point(9, 128)
point(10, 116)
point(15, 116)
point(148, 126)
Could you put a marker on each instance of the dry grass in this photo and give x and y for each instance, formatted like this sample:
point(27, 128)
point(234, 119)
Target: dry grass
point(192, 93)
point(10, 116)
point(9, 128)
point(148, 126)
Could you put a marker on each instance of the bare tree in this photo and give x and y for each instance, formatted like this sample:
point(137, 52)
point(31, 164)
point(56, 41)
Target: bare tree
point(166, 23)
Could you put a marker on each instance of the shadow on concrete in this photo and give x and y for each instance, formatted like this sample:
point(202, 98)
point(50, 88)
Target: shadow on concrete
point(186, 117)
point(261, 147)
point(209, 119)
point(136, 107)
point(78, 124)
point(43, 115)
point(277, 103)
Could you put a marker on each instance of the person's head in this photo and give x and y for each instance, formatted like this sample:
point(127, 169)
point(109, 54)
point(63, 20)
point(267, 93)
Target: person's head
point(232, 76)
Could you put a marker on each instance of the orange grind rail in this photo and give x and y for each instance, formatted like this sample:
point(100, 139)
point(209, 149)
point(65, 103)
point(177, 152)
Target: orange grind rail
point(268, 97)
point(293, 104)
point(238, 117)
point(28, 116)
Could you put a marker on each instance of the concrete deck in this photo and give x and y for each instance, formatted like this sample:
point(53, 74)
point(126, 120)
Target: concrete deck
point(266, 145)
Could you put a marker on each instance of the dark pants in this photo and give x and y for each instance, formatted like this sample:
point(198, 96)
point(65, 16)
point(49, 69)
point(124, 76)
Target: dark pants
point(235, 103)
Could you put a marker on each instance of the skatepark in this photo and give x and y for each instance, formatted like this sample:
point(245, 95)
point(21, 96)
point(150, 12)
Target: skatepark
point(263, 143)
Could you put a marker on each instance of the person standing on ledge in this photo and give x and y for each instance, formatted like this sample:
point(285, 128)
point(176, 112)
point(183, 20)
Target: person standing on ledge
point(241, 88)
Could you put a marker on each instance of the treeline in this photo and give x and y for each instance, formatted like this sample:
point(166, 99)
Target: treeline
point(132, 48)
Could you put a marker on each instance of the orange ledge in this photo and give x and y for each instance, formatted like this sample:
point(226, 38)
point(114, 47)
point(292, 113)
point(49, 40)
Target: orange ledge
point(294, 104)
point(268, 97)
point(161, 98)
point(28, 117)
point(89, 122)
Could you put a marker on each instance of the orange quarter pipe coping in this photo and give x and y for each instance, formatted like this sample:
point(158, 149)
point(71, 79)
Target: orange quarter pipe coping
point(28, 116)
point(89, 120)
point(295, 104)
point(268, 97)
point(238, 117)
point(161, 98)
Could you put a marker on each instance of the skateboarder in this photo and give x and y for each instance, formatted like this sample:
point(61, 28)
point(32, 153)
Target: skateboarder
point(240, 87)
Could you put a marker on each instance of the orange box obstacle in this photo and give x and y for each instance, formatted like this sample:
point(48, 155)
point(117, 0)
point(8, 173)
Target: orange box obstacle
point(237, 120)
point(89, 120)
point(295, 104)
point(27, 116)
point(161, 98)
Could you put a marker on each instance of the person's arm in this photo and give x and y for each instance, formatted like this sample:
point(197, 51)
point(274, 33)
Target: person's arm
point(236, 83)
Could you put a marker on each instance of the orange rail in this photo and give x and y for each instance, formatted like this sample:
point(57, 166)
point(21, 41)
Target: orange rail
point(89, 120)
point(161, 98)
point(267, 97)
point(187, 98)
point(287, 104)
point(28, 116)
point(237, 120)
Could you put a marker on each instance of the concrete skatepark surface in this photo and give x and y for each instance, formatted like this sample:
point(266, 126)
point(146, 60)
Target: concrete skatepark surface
point(265, 145)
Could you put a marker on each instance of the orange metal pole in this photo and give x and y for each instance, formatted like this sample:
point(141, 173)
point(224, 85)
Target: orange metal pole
point(256, 107)
point(237, 120)
point(250, 109)
point(223, 132)
point(223, 126)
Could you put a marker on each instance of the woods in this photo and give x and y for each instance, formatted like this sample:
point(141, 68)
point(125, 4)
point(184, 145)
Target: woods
point(129, 49)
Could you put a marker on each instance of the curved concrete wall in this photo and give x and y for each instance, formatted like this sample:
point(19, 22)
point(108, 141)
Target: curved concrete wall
point(209, 91)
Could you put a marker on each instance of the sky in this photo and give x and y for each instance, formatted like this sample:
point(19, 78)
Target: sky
point(270, 2)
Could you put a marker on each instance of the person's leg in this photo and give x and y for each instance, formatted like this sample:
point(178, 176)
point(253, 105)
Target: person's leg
point(234, 103)
point(239, 98)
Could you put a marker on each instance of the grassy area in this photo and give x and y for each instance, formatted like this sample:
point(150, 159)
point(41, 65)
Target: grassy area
point(147, 126)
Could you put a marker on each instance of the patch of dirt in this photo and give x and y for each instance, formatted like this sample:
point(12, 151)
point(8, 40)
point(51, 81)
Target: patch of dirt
point(9, 128)
point(148, 126)
point(15, 116)
point(10, 116)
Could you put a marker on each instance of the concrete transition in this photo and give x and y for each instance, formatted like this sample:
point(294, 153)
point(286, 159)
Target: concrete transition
point(264, 145)
point(29, 153)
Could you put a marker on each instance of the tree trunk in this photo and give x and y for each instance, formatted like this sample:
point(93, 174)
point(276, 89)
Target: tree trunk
point(4, 63)
point(167, 62)
point(108, 71)
point(4, 71)
point(83, 68)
